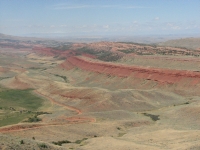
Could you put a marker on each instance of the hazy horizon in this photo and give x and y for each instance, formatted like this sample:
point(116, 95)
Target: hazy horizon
point(99, 18)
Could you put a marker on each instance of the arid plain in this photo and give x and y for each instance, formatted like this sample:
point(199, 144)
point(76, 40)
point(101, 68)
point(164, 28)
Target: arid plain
point(102, 95)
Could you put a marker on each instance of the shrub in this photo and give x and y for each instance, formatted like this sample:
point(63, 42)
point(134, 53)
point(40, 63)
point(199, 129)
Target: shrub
point(61, 142)
point(79, 141)
point(153, 117)
point(22, 142)
point(34, 119)
point(118, 128)
point(43, 145)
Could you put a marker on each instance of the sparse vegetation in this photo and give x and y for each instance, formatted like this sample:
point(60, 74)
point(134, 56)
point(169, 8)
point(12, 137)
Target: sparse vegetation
point(63, 77)
point(33, 119)
point(141, 44)
point(103, 55)
point(118, 128)
point(61, 142)
point(153, 49)
point(61, 58)
point(36, 68)
point(1, 78)
point(43, 145)
point(87, 50)
point(66, 141)
point(63, 47)
point(128, 51)
point(153, 117)
point(121, 134)
point(108, 56)
point(80, 141)
point(22, 142)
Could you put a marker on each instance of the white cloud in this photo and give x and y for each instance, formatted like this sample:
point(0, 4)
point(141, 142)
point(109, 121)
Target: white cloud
point(176, 27)
point(135, 22)
point(108, 6)
point(106, 26)
point(121, 6)
point(65, 6)
point(63, 25)
point(135, 7)
point(52, 26)
point(156, 18)
point(169, 24)
point(34, 26)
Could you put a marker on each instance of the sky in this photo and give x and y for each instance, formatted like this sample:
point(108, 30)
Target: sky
point(99, 17)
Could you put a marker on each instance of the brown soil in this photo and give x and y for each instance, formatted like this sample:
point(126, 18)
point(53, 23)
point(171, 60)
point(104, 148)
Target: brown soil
point(16, 83)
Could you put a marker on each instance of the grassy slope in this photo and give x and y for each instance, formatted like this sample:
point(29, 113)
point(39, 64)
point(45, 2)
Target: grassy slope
point(19, 98)
point(13, 101)
point(186, 42)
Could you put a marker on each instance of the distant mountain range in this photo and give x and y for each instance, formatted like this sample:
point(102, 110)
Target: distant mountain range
point(170, 40)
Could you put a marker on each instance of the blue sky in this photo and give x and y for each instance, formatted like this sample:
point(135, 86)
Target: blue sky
point(99, 17)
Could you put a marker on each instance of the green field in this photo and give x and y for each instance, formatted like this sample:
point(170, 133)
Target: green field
point(17, 105)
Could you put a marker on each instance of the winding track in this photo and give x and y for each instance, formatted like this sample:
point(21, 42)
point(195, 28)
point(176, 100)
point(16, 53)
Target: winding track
point(70, 120)
point(73, 119)
point(78, 111)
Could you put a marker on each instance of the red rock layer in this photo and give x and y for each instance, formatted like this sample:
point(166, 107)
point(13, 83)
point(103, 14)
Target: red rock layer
point(44, 51)
point(155, 74)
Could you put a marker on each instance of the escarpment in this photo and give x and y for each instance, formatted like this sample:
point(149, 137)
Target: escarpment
point(155, 74)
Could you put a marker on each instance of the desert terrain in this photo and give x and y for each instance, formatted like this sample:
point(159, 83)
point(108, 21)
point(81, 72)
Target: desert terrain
point(100, 95)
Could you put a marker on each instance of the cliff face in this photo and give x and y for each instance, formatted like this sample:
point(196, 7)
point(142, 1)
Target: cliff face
point(160, 75)
point(137, 76)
